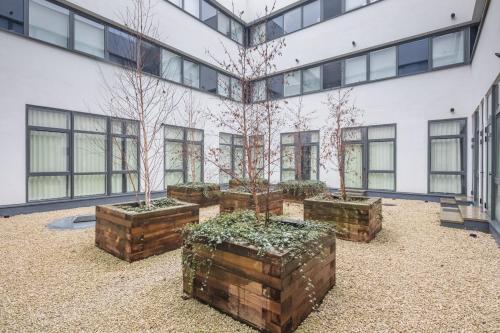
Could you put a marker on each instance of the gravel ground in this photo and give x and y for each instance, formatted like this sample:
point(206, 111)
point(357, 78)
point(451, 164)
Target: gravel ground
point(415, 276)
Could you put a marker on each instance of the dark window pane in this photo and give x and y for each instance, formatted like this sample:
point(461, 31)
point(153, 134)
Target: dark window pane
point(292, 20)
point(274, 28)
point(275, 87)
point(121, 47)
point(331, 8)
point(208, 79)
point(332, 74)
point(209, 14)
point(312, 13)
point(150, 58)
point(413, 57)
point(12, 10)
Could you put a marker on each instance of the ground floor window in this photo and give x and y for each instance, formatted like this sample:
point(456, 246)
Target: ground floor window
point(370, 161)
point(231, 157)
point(300, 156)
point(69, 154)
point(447, 156)
point(183, 155)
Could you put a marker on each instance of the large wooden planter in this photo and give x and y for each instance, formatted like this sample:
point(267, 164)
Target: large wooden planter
point(204, 198)
point(358, 220)
point(134, 236)
point(267, 291)
point(231, 201)
point(235, 183)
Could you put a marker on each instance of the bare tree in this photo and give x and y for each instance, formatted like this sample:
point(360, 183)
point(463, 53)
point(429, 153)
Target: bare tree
point(249, 114)
point(137, 95)
point(342, 114)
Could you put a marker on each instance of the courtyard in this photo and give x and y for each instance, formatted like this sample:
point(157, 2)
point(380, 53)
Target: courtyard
point(416, 276)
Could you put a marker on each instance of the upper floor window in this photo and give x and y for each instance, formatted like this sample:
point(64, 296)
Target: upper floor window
point(274, 28)
point(292, 20)
point(208, 14)
point(275, 87)
point(237, 31)
point(353, 4)
point(448, 49)
point(413, 57)
point(89, 36)
point(312, 13)
point(383, 63)
point(49, 22)
point(171, 66)
point(192, 7)
point(208, 79)
point(331, 8)
point(311, 78)
point(258, 34)
point(191, 74)
point(121, 47)
point(332, 74)
point(355, 70)
point(12, 15)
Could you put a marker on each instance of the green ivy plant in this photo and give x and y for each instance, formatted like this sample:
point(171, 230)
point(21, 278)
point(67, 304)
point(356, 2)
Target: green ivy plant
point(207, 188)
point(155, 204)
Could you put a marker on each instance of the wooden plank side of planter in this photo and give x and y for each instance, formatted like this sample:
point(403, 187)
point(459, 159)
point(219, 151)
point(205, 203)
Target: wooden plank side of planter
point(355, 221)
point(194, 195)
point(141, 235)
point(232, 201)
point(243, 288)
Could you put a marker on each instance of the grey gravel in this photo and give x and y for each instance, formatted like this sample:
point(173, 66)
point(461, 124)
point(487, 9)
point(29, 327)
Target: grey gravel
point(414, 277)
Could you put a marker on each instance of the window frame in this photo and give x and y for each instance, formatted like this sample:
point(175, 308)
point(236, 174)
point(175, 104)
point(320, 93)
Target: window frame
point(232, 146)
point(70, 154)
point(464, 143)
point(295, 144)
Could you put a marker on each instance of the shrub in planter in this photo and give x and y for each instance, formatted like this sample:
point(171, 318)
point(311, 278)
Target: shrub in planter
point(295, 190)
point(270, 277)
point(240, 199)
point(356, 219)
point(131, 232)
point(203, 194)
point(237, 183)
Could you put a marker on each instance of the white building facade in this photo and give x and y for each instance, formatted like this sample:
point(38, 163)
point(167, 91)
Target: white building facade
point(424, 72)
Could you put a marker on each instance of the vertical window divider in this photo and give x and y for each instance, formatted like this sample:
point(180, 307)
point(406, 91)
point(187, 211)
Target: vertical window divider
point(109, 156)
point(26, 18)
point(71, 156)
point(71, 32)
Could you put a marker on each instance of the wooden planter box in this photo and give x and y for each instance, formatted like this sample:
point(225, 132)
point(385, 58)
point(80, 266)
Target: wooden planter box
point(358, 221)
point(194, 195)
point(232, 201)
point(134, 236)
point(235, 183)
point(267, 291)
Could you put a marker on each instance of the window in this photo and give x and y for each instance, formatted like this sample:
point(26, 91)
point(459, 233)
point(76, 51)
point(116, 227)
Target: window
point(125, 152)
point(258, 34)
point(12, 15)
point(121, 47)
point(300, 156)
point(69, 154)
point(223, 85)
point(192, 7)
point(178, 3)
point(448, 49)
point(183, 155)
point(275, 87)
point(413, 57)
point(237, 31)
point(355, 70)
point(150, 61)
point(331, 8)
point(378, 170)
point(312, 79)
point(332, 74)
point(259, 91)
point(447, 153)
point(89, 37)
point(274, 28)
point(191, 74)
point(171, 66)
point(236, 90)
point(49, 22)
point(292, 83)
point(208, 79)
point(224, 24)
point(293, 20)
point(312, 13)
point(383, 63)
point(231, 157)
point(89, 158)
point(353, 4)
point(208, 14)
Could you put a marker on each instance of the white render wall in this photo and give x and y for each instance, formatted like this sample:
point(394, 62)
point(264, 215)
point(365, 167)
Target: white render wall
point(37, 74)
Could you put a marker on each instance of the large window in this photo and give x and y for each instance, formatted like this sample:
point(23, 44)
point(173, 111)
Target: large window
point(383, 63)
point(447, 154)
point(191, 74)
point(171, 66)
point(89, 36)
point(331, 8)
point(274, 28)
point(293, 20)
point(355, 70)
point(69, 154)
point(192, 7)
point(332, 74)
point(448, 49)
point(258, 34)
point(224, 24)
point(312, 13)
point(237, 31)
point(208, 79)
point(12, 15)
point(311, 79)
point(183, 155)
point(231, 157)
point(49, 22)
point(413, 57)
point(121, 47)
point(370, 157)
point(208, 14)
point(300, 156)
point(292, 82)
point(275, 87)
point(259, 91)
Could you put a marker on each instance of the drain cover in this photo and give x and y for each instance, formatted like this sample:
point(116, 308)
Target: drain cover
point(73, 222)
